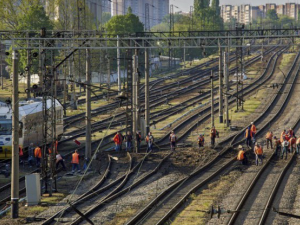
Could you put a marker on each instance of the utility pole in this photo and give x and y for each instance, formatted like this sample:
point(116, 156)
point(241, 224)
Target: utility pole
point(118, 64)
point(134, 97)
point(15, 139)
point(108, 76)
point(147, 109)
point(220, 86)
point(184, 54)
point(1, 65)
point(88, 145)
point(212, 99)
point(226, 60)
point(28, 71)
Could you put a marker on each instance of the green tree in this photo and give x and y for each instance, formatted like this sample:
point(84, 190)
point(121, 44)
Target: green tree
point(199, 5)
point(106, 16)
point(272, 15)
point(215, 5)
point(128, 23)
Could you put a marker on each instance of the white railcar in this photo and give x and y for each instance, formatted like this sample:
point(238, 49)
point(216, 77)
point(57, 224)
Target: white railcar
point(31, 124)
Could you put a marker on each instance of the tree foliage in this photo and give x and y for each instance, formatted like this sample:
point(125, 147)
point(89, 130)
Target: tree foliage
point(128, 23)
point(272, 15)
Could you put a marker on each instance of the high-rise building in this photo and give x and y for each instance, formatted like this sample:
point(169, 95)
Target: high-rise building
point(158, 9)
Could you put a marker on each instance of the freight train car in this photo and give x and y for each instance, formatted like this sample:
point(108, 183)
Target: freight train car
point(31, 121)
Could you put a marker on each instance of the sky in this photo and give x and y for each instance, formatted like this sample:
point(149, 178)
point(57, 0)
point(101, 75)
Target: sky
point(184, 5)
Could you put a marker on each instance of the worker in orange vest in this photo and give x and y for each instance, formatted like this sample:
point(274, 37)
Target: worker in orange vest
point(282, 136)
point(201, 140)
point(292, 145)
point(298, 145)
point(291, 132)
point(38, 156)
point(248, 136)
point(269, 137)
point(150, 142)
point(75, 162)
point(253, 130)
point(242, 156)
point(21, 154)
point(277, 145)
point(258, 151)
point(118, 139)
point(213, 135)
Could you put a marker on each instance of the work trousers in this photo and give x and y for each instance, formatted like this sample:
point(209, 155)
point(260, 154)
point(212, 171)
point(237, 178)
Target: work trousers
point(284, 151)
point(271, 144)
point(248, 141)
point(118, 148)
point(75, 166)
point(278, 150)
point(62, 164)
point(258, 157)
point(173, 145)
point(128, 145)
point(298, 148)
point(150, 147)
point(38, 162)
point(212, 140)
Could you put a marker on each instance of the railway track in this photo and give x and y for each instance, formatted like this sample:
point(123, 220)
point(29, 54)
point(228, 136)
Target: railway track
point(169, 201)
point(128, 183)
point(107, 141)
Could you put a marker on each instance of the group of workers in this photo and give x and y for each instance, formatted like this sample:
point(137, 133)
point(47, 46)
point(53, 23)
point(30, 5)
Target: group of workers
point(149, 139)
point(35, 156)
point(213, 135)
point(286, 143)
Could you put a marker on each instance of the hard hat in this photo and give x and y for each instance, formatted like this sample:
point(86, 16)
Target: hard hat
point(251, 122)
point(256, 143)
point(275, 137)
point(240, 146)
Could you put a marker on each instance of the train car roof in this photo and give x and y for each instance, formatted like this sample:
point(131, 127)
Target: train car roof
point(30, 107)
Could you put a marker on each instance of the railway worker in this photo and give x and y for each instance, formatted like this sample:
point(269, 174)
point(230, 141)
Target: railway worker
point(21, 155)
point(60, 160)
point(30, 155)
point(298, 145)
point(38, 156)
point(242, 156)
point(285, 147)
point(287, 136)
point(149, 141)
point(277, 145)
point(75, 162)
point(201, 140)
point(213, 135)
point(282, 135)
point(138, 140)
point(291, 132)
point(173, 140)
point(128, 140)
point(253, 130)
point(258, 151)
point(50, 151)
point(248, 136)
point(292, 145)
point(269, 137)
point(118, 139)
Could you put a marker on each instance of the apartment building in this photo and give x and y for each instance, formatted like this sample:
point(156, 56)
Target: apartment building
point(247, 13)
point(157, 9)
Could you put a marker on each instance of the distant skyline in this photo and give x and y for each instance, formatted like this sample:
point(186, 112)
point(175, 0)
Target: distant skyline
point(184, 5)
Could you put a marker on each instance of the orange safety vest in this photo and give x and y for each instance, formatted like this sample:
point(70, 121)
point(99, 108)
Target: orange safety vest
point(37, 152)
point(21, 151)
point(277, 142)
point(292, 141)
point(269, 135)
point(281, 136)
point(117, 139)
point(75, 158)
point(50, 151)
point(247, 133)
point(200, 139)
point(258, 150)
point(287, 137)
point(56, 144)
point(241, 155)
point(253, 129)
point(213, 132)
